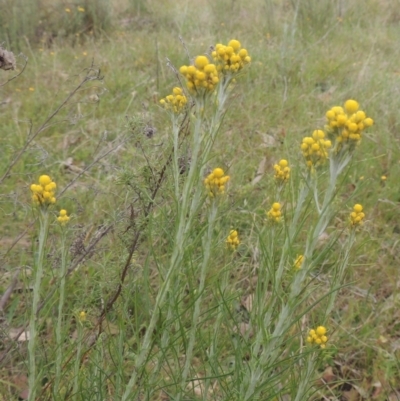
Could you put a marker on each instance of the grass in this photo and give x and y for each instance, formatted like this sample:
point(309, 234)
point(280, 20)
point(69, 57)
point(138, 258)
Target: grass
point(306, 57)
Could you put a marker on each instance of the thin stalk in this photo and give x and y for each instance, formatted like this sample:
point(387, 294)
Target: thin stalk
point(176, 257)
point(37, 273)
point(61, 300)
point(77, 360)
point(207, 242)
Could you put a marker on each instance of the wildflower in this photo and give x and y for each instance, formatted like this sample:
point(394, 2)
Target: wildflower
point(345, 124)
point(82, 316)
point(298, 262)
point(233, 240)
point(31, 89)
point(282, 171)
point(231, 58)
point(200, 77)
point(81, 9)
point(318, 336)
point(43, 193)
point(315, 148)
point(175, 102)
point(357, 216)
point(63, 218)
point(383, 178)
point(274, 214)
point(215, 182)
point(84, 54)
point(67, 10)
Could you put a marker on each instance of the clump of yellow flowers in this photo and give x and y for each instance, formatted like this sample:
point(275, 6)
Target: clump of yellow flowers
point(318, 336)
point(215, 182)
point(200, 77)
point(43, 193)
point(233, 240)
point(282, 171)
point(231, 58)
point(175, 102)
point(298, 262)
point(345, 124)
point(357, 215)
point(315, 148)
point(274, 215)
point(63, 218)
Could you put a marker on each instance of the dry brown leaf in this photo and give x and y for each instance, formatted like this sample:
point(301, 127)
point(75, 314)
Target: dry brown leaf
point(328, 376)
point(377, 389)
point(260, 171)
point(247, 302)
point(352, 395)
point(13, 334)
point(268, 141)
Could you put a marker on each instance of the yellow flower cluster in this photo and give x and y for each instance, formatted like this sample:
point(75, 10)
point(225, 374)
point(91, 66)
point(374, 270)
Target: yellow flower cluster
point(282, 171)
point(299, 262)
point(346, 124)
point(231, 58)
point(203, 75)
point(63, 218)
point(315, 148)
point(175, 102)
point(318, 336)
point(215, 182)
point(43, 193)
point(357, 215)
point(233, 240)
point(82, 316)
point(274, 214)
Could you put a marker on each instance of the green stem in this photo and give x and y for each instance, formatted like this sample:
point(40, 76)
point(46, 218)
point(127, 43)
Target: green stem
point(59, 336)
point(207, 252)
point(37, 274)
point(78, 360)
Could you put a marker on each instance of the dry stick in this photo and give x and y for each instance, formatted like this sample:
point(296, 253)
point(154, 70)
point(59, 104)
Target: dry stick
point(184, 128)
point(19, 238)
point(87, 78)
point(16, 76)
point(6, 296)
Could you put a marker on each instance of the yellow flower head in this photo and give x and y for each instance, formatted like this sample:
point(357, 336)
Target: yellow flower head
point(346, 124)
point(233, 240)
point(318, 336)
point(357, 215)
point(43, 193)
point(274, 215)
point(230, 59)
point(215, 182)
point(63, 218)
point(299, 262)
point(315, 148)
point(282, 171)
point(175, 102)
point(82, 316)
point(202, 77)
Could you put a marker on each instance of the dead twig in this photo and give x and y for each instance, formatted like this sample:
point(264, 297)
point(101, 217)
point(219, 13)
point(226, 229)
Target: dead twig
point(7, 294)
